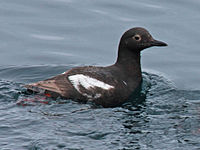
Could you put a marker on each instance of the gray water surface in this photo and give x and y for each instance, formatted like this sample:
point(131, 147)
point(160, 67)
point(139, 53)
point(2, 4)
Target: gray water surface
point(42, 38)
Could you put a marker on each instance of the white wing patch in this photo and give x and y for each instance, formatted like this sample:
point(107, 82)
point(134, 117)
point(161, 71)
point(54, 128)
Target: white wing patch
point(88, 83)
point(125, 83)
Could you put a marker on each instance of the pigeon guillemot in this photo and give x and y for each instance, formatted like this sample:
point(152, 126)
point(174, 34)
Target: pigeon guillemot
point(108, 86)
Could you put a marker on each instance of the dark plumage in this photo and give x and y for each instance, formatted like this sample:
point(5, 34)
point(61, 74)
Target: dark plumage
point(108, 86)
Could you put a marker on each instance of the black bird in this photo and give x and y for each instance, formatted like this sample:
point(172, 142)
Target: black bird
point(108, 86)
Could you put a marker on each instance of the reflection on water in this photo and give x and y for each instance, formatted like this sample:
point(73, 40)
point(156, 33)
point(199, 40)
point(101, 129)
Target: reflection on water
point(72, 32)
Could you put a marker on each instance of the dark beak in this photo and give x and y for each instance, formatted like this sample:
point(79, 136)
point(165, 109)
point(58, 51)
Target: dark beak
point(157, 43)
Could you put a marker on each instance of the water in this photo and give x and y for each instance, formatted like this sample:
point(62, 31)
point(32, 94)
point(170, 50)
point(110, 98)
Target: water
point(42, 38)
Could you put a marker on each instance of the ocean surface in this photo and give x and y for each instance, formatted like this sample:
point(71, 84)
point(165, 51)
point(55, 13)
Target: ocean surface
point(42, 38)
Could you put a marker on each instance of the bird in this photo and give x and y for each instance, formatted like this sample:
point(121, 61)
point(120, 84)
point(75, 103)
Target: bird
point(108, 86)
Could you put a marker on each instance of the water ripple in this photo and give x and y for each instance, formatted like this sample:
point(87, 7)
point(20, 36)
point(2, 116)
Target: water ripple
point(159, 112)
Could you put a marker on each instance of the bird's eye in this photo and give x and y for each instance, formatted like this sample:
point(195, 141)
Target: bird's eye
point(137, 37)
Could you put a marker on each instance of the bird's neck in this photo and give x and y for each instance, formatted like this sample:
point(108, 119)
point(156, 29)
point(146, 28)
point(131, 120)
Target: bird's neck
point(129, 61)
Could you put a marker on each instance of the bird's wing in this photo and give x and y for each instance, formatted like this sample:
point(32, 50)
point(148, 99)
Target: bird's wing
point(56, 86)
